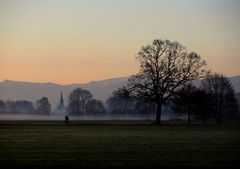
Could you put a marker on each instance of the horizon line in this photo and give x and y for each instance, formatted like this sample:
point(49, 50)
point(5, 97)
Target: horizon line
point(23, 81)
point(81, 82)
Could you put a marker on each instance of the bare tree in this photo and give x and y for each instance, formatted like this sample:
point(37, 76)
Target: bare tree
point(43, 106)
point(223, 96)
point(24, 106)
point(95, 107)
point(78, 100)
point(121, 102)
point(164, 67)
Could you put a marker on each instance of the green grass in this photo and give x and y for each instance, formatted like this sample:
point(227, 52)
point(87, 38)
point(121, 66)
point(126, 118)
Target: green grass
point(55, 143)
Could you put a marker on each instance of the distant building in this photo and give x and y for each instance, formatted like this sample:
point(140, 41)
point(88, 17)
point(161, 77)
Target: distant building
point(61, 103)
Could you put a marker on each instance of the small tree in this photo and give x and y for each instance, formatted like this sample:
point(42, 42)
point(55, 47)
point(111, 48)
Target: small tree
point(120, 102)
point(164, 67)
point(95, 107)
point(78, 100)
point(23, 106)
point(223, 97)
point(43, 106)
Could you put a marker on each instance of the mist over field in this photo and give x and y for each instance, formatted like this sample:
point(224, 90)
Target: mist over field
point(59, 116)
point(24, 117)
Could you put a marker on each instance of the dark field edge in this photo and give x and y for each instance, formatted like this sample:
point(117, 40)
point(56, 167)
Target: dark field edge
point(97, 166)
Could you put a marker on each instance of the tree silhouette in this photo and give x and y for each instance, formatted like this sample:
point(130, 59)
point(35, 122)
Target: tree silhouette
point(78, 100)
point(164, 67)
point(95, 107)
point(121, 102)
point(24, 106)
point(193, 101)
point(43, 106)
point(223, 97)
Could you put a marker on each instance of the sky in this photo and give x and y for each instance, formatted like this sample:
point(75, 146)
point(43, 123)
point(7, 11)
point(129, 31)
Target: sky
point(77, 41)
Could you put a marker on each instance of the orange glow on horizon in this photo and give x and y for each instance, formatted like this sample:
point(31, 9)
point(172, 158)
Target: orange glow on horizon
point(81, 41)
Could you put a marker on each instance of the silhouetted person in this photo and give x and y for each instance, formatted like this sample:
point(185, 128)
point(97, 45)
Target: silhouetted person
point(66, 119)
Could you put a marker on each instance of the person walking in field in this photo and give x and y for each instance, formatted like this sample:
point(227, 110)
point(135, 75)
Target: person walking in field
point(66, 119)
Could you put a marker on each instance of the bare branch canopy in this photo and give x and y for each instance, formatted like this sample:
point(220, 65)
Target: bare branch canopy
point(164, 67)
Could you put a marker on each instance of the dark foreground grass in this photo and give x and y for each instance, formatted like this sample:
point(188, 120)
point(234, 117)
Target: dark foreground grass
point(118, 145)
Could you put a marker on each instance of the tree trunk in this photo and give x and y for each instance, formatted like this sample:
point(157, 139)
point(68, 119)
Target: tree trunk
point(159, 113)
point(219, 114)
point(189, 114)
point(189, 117)
point(219, 118)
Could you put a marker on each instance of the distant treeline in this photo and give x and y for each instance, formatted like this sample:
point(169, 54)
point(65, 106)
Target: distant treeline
point(42, 107)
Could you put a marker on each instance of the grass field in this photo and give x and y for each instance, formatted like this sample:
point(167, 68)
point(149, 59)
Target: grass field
point(120, 145)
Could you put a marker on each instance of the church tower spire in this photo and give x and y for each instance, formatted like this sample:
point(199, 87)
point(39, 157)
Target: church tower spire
point(61, 102)
point(61, 98)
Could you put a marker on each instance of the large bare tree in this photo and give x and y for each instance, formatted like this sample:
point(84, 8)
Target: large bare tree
point(164, 67)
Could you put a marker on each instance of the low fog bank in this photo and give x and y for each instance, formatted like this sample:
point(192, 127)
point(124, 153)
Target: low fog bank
point(24, 117)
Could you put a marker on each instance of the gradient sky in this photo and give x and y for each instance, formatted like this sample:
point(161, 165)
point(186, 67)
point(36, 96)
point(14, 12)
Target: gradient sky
point(70, 41)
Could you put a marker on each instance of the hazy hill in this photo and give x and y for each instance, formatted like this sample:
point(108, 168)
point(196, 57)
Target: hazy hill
point(15, 90)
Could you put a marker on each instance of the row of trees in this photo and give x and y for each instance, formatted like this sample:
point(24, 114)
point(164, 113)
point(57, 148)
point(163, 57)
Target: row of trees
point(214, 99)
point(26, 107)
point(166, 72)
point(81, 102)
point(122, 103)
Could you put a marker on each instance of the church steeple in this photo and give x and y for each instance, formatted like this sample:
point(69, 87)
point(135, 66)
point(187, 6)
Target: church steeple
point(61, 98)
point(61, 102)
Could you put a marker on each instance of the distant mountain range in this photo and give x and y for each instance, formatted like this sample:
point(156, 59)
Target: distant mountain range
point(16, 90)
